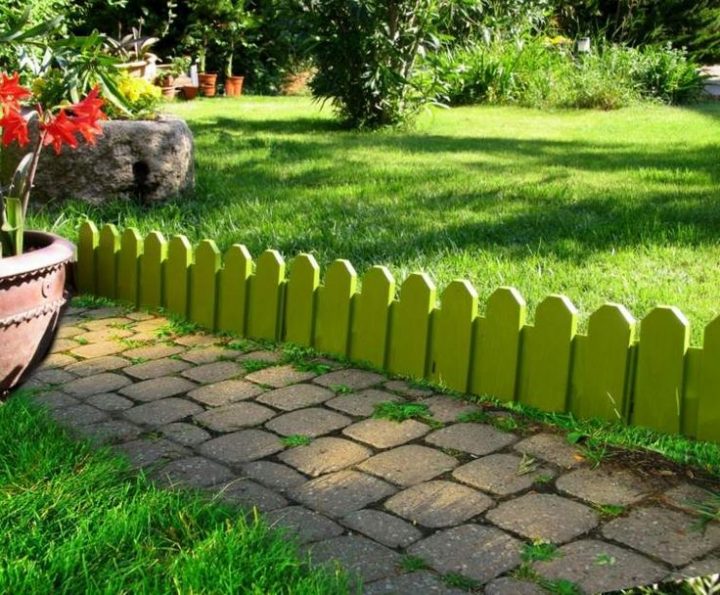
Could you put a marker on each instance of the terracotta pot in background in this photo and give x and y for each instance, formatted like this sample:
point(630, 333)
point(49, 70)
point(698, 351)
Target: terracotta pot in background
point(168, 93)
point(208, 90)
point(208, 78)
point(190, 92)
point(33, 296)
point(234, 85)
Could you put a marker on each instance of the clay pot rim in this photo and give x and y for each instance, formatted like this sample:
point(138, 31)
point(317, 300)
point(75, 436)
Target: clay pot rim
point(50, 250)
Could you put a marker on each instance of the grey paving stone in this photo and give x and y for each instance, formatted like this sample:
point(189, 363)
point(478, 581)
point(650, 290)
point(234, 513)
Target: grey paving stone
point(185, 434)
point(306, 525)
point(95, 385)
point(226, 392)
point(510, 586)
point(704, 567)
point(279, 376)
point(544, 516)
point(599, 567)
point(552, 448)
point(384, 433)
point(62, 345)
point(402, 387)
point(54, 400)
point(109, 402)
point(500, 474)
point(604, 486)
point(157, 388)
point(112, 432)
point(234, 417)
point(145, 452)
point(476, 551)
point(196, 340)
point(438, 503)
point(67, 331)
point(262, 355)
point(155, 351)
point(57, 360)
point(687, 496)
point(669, 535)
point(340, 493)
point(248, 494)
point(207, 355)
point(78, 415)
point(151, 324)
point(214, 372)
point(409, 465)
point(52, 376)
point(357, 555)
point(156, 368)
point(194, 472)
point(164, 411)
point(446, 409)
point(102, 335)
point(313, 421)
point(350, 377)
point(362, 404)
point(382, 527)
point(477, 439)
point(92, 367)
point(414, 583)
point(296, 396)
point(92, 350)
point(325, 455)
point(97, 318)
point(241, 447)
point(273, 475)
point(139, 316)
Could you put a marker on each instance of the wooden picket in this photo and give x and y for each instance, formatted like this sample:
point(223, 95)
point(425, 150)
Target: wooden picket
point(658, 381)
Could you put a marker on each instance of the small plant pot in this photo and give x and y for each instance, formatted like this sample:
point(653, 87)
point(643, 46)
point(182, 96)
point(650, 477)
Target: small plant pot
point(168, 93)
point(189, 92)
point(208, 90)
point(234, 85)
point(208, 78)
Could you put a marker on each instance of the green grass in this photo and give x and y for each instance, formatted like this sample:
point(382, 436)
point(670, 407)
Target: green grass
point(618, 206)
point(539, 551)
point(76, 520)
point(296, 440)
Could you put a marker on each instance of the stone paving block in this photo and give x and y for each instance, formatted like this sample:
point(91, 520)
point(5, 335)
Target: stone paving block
point(599, 567)
point(62, 345)
point(478, 552)
point(499, 474)
point(384, 433)
point(92, 350)
point(700, 568)
point(109, 402)
point(96, 318)
point(544, 516)
point(156, 351)
point(350, 377)
point(306, 525)
point(273, 475)
point(52, 376)
point(158, 388)
point(248, 494)
point(57, 360)
point(164, 411)
point(184, 433)
point(242, 446)
point(669, 535)
point(145, 452)
point(95, 385)
point(477, 439)
point(382, 527)
point(362, 404)
point(139, 316)
point(262, 355)
point(357, 555)
point(67, 331)
point(510, 586)
point(296, 396)
point(604, 486)
point(193, 472)
point(98, 365)
point(409, 465)
point(156, 368)
point(207, 355)
point(215, 372)
point(412, 392)
point(325, 455)
point(438, 503)
point(103, 335)
point(446, 409)
point(196, 340)
point(78, 415)
point(340, 493)
point(687, 496)
point(230, 418)
point(225, 392)
point(111, 432)
point(279, 376)
point(313, 421)
point(54, 400)
point(151, 324)
point(414, 583)
point(552, 448)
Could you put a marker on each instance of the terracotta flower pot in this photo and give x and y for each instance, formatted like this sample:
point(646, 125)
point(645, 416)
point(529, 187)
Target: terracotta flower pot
point(234, 85)
point(208, 90)
point(168, 93)
point(33, 296)
point(190, 92)
point(208, 78)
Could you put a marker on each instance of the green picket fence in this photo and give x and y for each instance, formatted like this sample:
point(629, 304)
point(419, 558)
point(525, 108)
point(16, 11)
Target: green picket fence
point(657, 381)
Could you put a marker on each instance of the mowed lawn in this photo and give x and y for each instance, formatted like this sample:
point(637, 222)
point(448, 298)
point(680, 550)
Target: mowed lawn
point(617, 206)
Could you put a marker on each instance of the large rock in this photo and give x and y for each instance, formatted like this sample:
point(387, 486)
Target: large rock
point(145, 160)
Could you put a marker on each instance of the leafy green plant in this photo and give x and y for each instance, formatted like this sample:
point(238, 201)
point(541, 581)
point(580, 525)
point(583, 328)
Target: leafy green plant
point(255, 365)
point(539, 551)
point(296, 440)
point(454, 579)
point(610, 510)
point(401, 411)
point(412, 563)
point(342, 389)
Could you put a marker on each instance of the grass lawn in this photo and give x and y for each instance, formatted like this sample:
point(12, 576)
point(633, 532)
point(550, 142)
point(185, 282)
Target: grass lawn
point(75, 520)
point(602, 206)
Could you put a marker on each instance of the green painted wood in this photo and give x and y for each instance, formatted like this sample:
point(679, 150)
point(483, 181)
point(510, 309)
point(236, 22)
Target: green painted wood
point(452, 335)
point(266, 297)
point(496, 357)
point(300, 300)
point(603, 386)
point(371, 317)
point(204, 284)
point(691, 395)
point(232, 306)
point(547, 355)
point(88, 240)
point(107, 261)
point(334, 309)
point(177, 275)
point(131, 249)
point(708, 416)
point(410, 327)
point(152, 270)
point(664, 340)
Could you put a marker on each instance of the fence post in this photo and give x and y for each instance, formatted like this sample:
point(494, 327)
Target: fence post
point(708, 418)
point(372, 317)
point(131, 249)
point(152, 273)
point(88, 238)
point(177, 275)
point(107, 257)
point(334, 309)
point(266, 297)
point(300, 300)
point(234, 277)
point(204, 282)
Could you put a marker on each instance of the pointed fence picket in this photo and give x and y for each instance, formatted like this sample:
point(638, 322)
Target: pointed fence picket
point(658, 381)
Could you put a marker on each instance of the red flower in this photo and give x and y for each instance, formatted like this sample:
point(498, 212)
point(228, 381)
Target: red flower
point(14, 126)
point(10, 89)
point(87, 113)
point(60, 129)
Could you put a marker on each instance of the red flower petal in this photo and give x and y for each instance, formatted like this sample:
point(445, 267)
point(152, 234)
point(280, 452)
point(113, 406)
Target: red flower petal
point(59, 130)
point(14, 127)
point(10, 89)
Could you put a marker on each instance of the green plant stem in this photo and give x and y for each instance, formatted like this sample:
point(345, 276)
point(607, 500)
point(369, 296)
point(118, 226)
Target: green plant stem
point(27, 188)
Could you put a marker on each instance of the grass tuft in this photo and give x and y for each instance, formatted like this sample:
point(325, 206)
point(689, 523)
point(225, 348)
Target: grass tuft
point(296, 440)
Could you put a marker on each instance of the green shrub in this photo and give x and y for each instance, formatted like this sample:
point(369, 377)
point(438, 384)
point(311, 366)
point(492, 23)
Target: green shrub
point(668, 74)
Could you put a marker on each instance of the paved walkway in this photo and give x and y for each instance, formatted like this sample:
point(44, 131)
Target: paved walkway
point(712, 85)
point(413, 507)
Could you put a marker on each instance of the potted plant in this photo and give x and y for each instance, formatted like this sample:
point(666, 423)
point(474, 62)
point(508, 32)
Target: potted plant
point(166, 79)
point(201, 32)
point(131, 49)
point(236, 21)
